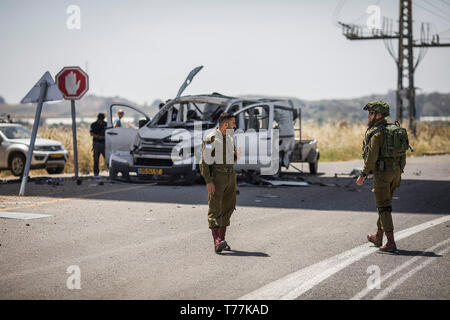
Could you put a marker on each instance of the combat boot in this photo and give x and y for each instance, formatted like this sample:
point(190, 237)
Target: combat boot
point(376, 239)
point(223, 230)
point(390, 246)
point(219, 244)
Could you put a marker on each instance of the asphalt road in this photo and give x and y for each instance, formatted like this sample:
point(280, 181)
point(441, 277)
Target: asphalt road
point(146, 241)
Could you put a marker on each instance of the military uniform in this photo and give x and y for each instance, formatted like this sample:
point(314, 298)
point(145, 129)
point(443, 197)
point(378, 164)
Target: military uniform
point(217, 166)
point(386, 174)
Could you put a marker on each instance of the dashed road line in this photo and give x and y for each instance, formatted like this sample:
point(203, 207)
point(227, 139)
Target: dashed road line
point(385, 292)
point(388, 275)
point(295, 284)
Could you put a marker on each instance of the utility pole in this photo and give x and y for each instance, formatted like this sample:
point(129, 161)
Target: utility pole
point(405, 65)
point(405, 57)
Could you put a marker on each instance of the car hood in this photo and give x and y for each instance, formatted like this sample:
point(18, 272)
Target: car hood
point(38, 142)
point(160, 133)
point(174, 134)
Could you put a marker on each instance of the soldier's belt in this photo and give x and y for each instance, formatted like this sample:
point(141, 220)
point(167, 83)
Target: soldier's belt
point(223, 170)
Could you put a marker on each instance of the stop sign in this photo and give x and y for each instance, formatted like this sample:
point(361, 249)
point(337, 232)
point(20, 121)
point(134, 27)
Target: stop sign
point(73, 82)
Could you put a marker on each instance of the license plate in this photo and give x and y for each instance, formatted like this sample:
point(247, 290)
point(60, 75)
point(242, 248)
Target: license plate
point(56, 155)
point(150, 171)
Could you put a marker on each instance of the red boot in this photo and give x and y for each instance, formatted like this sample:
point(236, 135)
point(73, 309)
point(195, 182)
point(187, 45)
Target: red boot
point(223, 230)
point(376, 239)
point(390, 246)
point(219, 244)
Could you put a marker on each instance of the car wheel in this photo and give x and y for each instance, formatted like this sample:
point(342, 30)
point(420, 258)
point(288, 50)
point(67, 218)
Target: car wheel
point(17, 164)
point(313, 166)
point(55, 170)
point(114, 171)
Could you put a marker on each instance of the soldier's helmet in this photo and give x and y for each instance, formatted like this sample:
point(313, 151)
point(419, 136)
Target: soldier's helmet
point(378, 106)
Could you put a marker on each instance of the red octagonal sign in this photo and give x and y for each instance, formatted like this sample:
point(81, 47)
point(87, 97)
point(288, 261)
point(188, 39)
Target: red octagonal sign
point(73, 82)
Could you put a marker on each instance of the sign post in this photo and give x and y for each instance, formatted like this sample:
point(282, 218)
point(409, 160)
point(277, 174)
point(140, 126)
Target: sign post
point(44, 90)
point(74, 134)
point(73, 83)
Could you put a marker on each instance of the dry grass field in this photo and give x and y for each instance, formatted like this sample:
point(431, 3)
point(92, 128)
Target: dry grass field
point(342, 141)
point(337, 141)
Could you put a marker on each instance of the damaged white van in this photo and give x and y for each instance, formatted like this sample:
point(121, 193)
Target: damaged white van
point(168, 147)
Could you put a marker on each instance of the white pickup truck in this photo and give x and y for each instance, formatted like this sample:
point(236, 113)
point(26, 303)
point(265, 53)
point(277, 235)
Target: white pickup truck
point(168, 147)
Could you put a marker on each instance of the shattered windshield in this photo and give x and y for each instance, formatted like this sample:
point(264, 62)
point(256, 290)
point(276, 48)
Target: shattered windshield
point(183, 115)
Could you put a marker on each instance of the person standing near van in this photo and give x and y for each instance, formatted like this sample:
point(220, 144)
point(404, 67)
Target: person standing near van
point(97, 132)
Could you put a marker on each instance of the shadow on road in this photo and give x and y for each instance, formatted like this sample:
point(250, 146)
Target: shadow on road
point(323, 193)
point(412, 253)
point(244, 253)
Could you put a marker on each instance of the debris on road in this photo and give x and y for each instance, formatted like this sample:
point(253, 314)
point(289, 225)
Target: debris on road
point(269, 196)
point(49, 181)
point(246, 184)
point(354, 173)
point(286, 183)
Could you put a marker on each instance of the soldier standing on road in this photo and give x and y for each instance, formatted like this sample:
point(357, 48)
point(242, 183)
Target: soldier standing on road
point(217, 168)
point(98, 144)
point(386, 173)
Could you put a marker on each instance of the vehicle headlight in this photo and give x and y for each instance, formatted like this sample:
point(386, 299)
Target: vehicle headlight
point(38, 148)
point(137, 141)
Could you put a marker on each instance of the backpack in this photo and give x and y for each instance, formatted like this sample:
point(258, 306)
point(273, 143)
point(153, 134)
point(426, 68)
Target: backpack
point(395, 145)
point(396, 141)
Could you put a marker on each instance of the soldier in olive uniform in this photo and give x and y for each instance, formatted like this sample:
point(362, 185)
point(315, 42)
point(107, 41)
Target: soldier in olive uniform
point(217, 168)
point(386, 173)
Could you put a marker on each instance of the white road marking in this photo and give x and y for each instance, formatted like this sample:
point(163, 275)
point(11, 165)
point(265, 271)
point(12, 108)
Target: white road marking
point(22, 216)
point(295, 284)
point(383, 294)
point(366, 291)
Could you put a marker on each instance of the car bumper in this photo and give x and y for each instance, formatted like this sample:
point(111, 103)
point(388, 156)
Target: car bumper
point(155, 172)
point(49, 159)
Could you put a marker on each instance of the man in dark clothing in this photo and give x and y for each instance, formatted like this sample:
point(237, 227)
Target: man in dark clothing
point(98, 144)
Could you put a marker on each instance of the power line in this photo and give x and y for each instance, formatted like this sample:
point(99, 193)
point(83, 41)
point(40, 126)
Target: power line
point(406, 64)
point(444, 31)
point(445, 3)
point(336, 12)
point(432, 12)
point(433, 5)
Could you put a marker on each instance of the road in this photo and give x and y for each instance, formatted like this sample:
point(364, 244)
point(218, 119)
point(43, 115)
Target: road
point(147, 241)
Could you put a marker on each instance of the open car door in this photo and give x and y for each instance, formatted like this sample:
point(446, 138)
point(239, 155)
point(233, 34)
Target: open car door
point(254, 136)
point(119, 140)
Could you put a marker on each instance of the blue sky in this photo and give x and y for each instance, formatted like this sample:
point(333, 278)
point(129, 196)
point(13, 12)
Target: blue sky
point(143, 50)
